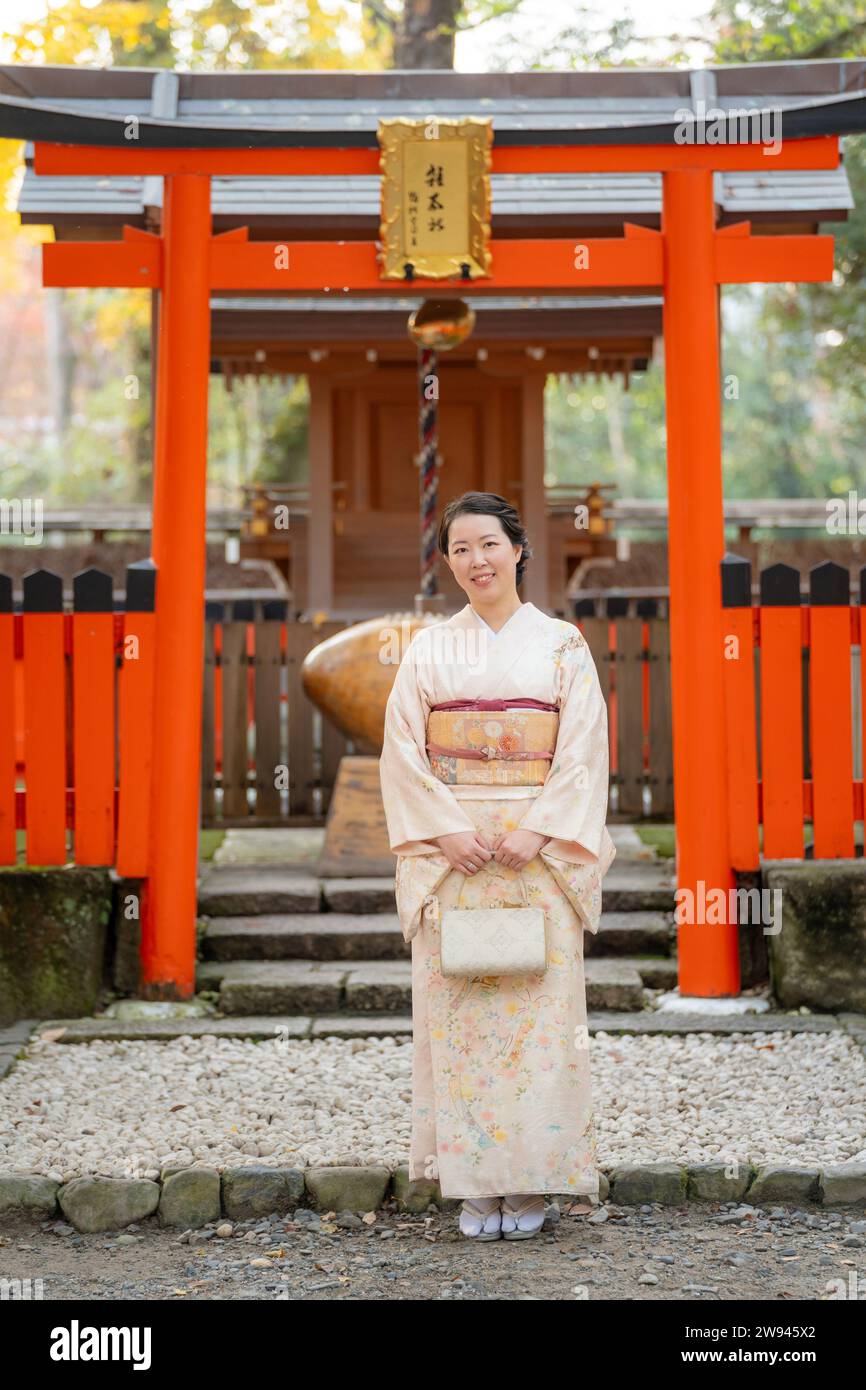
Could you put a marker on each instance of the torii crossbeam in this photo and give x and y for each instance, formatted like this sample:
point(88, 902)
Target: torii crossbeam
point(689, 258)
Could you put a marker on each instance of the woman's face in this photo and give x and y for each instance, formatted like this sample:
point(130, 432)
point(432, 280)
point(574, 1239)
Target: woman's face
point(481, 557)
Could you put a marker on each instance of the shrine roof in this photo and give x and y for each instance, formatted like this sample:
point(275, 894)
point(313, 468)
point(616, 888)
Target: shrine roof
point(340, 109)
point(274, 108)
point(602, 317)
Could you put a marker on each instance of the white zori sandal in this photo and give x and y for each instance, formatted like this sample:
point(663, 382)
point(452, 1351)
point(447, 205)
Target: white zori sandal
point(522, 1216)
point(480, 1218)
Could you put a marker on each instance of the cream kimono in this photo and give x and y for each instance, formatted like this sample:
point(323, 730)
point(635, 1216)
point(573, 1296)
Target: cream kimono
point(501, 1084)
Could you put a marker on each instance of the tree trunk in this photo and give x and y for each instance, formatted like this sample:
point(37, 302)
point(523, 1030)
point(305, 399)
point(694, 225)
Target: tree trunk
point(425, 34)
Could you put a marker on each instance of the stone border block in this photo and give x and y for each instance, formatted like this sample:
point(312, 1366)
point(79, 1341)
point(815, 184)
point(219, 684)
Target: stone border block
point(28, 1194)
point(413, 1195)
point(107, 1204)
point(633, 1184)
point(255, 1190)
point(194, 1196)
point(843, 1183)
point(347, 1189)
point(190, 1198)
point(778, 1182)
point(709, 1182)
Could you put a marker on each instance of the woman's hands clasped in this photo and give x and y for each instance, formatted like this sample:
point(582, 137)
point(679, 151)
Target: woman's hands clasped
point(469, 851)
point(515, 848)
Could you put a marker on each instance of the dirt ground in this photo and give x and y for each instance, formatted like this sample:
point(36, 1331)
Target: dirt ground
point(696, 1253)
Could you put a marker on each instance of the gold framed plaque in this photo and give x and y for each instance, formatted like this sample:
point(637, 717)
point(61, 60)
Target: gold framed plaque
point(435, 197)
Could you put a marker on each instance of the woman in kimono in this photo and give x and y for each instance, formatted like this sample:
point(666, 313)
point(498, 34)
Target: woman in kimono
point(501, 1100)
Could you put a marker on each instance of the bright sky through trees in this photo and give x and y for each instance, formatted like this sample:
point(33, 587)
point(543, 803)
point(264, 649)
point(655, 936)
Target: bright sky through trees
point(537, 20)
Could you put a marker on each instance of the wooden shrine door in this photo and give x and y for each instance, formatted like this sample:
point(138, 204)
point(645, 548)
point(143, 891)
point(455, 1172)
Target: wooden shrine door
point(375, 442)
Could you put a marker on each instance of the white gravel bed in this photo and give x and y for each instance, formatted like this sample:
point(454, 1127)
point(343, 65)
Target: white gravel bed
point(125, 1109)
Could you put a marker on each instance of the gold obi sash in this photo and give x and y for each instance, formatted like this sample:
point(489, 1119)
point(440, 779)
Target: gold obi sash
point(492, 742)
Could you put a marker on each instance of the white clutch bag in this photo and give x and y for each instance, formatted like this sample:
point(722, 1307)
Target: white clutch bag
point(493, 940)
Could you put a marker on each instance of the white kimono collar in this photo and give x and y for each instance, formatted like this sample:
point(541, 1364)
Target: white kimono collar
point(498, 656)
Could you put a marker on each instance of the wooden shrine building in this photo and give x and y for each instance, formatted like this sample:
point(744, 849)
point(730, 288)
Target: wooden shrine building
point(362, 501)
point(238, 189)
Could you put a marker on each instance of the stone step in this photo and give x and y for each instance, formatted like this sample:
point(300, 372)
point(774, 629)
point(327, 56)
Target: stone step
point(235, 892)
point(323, 936)
point(359, 894)
point(633, 886)
point(352, 1025)
point(329, 936)
point(640, 933)
point(269, 890)
point(613, 984)
point(255, 987)
point(262, 1028)
point(308, 987)
point(656, 972)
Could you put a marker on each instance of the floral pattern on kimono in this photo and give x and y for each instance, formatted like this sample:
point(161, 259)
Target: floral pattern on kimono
point(501, 1086)
point(580, 850)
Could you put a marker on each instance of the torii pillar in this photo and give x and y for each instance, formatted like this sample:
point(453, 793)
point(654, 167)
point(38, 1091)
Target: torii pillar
point(709, 962)
point(179, 509)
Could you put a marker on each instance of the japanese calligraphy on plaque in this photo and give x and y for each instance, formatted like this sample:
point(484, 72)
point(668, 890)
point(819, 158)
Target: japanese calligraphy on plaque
point(435, 198)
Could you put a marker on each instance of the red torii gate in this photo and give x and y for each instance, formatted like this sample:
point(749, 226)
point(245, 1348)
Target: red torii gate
point(689, 258)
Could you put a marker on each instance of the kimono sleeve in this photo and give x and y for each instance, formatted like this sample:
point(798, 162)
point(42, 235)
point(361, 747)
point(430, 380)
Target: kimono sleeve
point(418, 807)
point(572, 805)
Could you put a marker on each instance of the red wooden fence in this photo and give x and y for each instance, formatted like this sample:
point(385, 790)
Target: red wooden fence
point(76, 698)
point(76, 714)
point(629, 639)
point(789, 711)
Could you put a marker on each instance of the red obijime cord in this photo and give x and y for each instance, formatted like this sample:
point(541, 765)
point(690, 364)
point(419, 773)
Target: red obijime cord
point(521, 702)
